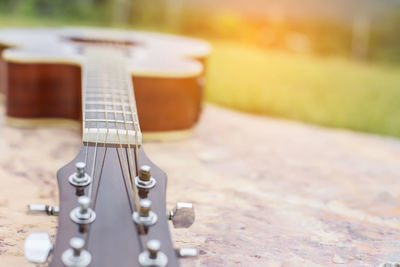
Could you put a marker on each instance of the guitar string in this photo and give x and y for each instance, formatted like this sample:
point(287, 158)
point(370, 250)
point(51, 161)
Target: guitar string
point(102, 63)
point(121, 101)
point(85, 77)
point(90, 189)
point(84, 84)
point(84, 95)
point(106, 84)
point(123, 76)
point(125, 159)
point(135, 119)
point(102, 82)
point(86, 144)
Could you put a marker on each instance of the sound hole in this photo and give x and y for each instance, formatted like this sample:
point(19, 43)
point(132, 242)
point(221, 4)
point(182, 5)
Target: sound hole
point(101, 41)
point(124, 45)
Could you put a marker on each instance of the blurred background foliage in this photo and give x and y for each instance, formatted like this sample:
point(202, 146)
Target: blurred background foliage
point(320, 34)
point(333, 63)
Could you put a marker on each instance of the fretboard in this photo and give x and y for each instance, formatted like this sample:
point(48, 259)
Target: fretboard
point(108, 102)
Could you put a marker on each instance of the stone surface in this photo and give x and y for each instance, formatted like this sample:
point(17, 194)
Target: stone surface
point(267, 192)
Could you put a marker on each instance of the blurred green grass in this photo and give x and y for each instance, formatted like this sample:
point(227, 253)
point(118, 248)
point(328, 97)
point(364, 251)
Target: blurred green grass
point(333, 92)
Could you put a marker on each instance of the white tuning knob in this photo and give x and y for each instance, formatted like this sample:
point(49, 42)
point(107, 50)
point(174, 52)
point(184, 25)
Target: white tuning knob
point(186, 252)
point(37, 247)
point(42, 208)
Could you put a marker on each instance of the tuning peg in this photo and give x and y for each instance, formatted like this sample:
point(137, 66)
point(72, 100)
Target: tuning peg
point(144, 180)
point(80, 178)
point(42, 208)
point(145, 216)
point(186, 252)
point(153, 256)
point(37, 247)
point(76, 256)
point(182, 216)
point(83, 214)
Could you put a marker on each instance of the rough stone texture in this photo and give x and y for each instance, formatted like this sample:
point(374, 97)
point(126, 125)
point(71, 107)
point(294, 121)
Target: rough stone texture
point(267, 192)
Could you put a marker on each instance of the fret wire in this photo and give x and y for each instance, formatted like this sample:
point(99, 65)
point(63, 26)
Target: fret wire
point(106, 103)
point(106, 120)
point(103, 79)
point(107, 82)
point(107, 95)
point(99, 89)
point(104, 110)
point(93, 88)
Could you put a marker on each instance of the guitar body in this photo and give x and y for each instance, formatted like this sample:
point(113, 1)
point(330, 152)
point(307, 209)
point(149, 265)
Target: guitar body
point(43, 88)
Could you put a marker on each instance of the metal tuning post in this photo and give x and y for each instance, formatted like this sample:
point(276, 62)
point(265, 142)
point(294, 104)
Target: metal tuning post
point(144, 180)
point(80, 179)
point(182, 216)
point(145, 216)
point(153, 256)
point(76, 256)
point(37, 247)
point(42, 208)
point(83, 214)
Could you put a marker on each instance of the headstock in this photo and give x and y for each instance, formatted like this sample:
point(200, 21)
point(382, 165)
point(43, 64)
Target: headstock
point(101, 220)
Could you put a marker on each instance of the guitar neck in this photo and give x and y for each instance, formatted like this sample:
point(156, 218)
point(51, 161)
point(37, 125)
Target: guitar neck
point(108, 102)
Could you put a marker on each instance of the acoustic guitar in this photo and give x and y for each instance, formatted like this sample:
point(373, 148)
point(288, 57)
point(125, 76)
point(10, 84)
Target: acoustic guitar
point(112, 197)
point(41, 76)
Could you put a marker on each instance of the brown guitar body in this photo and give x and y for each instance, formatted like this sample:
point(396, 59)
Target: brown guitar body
point(47, 91)
point(43, 91)
point(54, 91)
